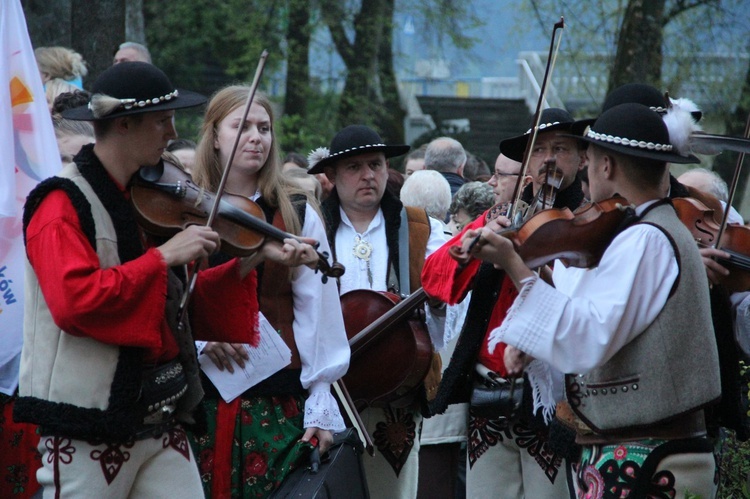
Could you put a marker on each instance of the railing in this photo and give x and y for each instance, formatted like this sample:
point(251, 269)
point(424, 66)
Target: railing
point(713, 81)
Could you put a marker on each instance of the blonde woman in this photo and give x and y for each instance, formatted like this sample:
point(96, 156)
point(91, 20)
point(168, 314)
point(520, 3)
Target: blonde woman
point(268, 430)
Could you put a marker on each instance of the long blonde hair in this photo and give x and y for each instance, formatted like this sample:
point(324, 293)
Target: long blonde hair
point(273, 186)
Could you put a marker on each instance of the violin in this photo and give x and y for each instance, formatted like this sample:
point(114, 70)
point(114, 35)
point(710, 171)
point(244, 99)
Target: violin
point(396, 342)
point(577, 238)
point(700, 221)
point(166, 200)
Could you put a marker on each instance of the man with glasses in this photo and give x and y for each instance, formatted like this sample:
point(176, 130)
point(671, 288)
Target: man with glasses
point(503, 180)
point(507, 459)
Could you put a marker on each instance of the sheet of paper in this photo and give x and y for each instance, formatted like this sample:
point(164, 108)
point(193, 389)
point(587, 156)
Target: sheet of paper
point(270, 356)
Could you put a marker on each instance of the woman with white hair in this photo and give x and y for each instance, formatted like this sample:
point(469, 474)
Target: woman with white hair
point(427, 189)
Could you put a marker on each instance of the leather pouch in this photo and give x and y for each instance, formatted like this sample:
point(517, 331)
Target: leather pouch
point(495, 397)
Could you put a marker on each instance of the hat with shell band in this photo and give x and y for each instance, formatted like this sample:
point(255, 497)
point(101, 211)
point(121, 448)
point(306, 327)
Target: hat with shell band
point(634, 130)
point(352, 140)
point(638, 93)
point(551, 119)
point(132, 88)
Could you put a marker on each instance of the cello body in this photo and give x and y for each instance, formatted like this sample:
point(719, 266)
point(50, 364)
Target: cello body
point(390, 361)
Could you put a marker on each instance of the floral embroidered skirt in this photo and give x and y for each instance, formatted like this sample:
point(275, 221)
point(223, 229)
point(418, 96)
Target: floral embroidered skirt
point(649, 468)
point(251, 445)
point(19, 457)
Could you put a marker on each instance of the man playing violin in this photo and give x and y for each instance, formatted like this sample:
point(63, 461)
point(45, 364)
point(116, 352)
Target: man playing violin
point(364, 222)
point(107, 371)
point(506, 458)
point(644, 370)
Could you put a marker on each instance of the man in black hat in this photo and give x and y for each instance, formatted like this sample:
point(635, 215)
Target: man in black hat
point(107, 372)
point(382, 245)
point(647, 368)
point(503, 460)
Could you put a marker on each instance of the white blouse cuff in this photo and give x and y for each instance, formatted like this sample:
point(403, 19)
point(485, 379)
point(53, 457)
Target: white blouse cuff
point(322, 410)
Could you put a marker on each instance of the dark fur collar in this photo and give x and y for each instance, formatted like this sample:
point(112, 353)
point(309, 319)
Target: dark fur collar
point(391, 207)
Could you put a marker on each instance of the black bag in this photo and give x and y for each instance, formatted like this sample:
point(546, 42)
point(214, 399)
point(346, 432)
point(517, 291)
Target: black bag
point(340, 473)
point(496, 398)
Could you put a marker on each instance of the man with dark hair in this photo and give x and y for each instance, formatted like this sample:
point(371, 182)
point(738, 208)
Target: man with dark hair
point(507, 459)
point(646, 368)
point(108, 371)
point(382, 244)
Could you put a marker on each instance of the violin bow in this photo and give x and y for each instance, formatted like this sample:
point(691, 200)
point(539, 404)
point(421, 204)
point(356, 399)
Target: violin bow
point(733, 187)
point(350, 409)
point(551, 58)
point(220, 190)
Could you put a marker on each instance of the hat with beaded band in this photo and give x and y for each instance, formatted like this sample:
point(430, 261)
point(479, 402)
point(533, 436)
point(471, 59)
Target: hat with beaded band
point(132, 88)
point(634, 130)
point(352, 140)
point(551, 119)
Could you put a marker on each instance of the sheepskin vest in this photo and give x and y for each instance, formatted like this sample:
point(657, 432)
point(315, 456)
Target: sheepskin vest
point(77, 386)
point(669, 370)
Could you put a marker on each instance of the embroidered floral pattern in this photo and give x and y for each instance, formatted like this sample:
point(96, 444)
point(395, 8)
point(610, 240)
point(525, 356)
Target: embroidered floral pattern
point(485, 433)
point(256, 464)
point(265, 446)
point(395, 436)
point(177, 439)
point(613, 472)
point(111, 459)
point(18, 477)
point(537, 445)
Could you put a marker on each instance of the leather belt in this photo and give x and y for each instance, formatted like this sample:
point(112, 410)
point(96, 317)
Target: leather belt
point(688, 425)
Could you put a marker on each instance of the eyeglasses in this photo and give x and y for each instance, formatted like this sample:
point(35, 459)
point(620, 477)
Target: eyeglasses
point(497, 175)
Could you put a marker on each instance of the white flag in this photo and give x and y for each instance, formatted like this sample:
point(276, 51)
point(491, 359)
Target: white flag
point(28, 154)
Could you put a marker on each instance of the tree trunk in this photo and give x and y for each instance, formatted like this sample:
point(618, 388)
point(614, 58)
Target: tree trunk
point(48, 22)
point(361, 99)
point(98, 27)
point(297, 63)
point(639, 45)
point(391, 116)
point(135, 30)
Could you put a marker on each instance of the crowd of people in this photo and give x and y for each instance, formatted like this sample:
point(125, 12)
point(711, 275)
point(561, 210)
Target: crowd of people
point(613, 363)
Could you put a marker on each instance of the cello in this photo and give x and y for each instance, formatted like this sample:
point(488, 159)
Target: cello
point(398, 347)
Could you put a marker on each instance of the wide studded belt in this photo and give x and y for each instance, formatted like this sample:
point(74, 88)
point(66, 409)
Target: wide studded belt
point(162, 386)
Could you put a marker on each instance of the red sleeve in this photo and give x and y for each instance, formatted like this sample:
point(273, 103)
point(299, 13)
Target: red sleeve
point(121, 305)
point(225, 308)
point(441, 277)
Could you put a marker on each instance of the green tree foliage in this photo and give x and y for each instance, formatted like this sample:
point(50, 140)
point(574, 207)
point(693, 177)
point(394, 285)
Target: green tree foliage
point(206, 44)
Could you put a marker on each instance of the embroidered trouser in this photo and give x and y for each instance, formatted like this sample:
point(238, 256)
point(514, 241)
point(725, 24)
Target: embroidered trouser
point(161, 467)
point(512, 463)
point(394, 471)
point(650, 468)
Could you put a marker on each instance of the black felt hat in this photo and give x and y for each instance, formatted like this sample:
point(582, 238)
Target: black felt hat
point(132, 88)
point(630, 93)
point(634, 130)
point(352, 140)
point(551, 119)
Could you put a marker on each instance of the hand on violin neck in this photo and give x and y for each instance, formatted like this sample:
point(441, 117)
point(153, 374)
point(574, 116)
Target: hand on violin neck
point(714, 270)
point(192, 243)
point(498, 223)
point(292, 252)
point(499, 251)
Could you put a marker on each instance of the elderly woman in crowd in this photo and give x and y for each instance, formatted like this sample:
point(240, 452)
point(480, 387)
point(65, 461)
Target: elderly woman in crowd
point(471, 200)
